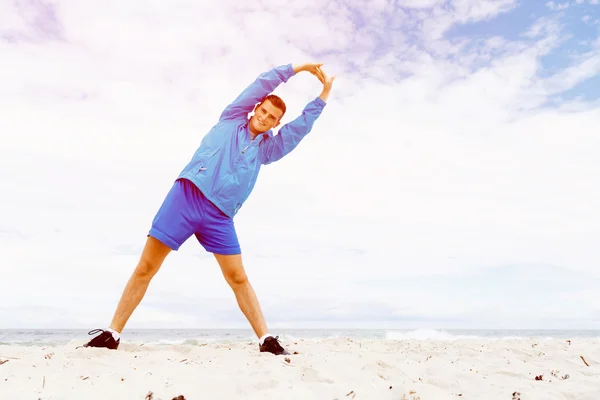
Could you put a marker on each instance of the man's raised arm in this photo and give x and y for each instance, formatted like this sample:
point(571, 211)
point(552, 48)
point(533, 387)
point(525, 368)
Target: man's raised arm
point(273, 149)
point(288, 137)
point(264, 84)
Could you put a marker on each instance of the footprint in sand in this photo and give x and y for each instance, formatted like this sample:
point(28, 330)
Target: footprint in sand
point(312, 375)
point(379, 367)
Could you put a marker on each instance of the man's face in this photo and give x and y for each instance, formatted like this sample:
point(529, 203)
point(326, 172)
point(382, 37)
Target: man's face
point(266, 116)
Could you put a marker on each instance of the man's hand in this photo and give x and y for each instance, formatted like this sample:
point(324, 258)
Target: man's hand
point(327, 84)
point(326, 81)
point(313, 68)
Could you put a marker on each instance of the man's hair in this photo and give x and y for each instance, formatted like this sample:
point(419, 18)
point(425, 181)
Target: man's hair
point(276, 101)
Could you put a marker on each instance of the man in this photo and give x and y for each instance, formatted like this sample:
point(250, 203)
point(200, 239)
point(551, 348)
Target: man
point(212, 187)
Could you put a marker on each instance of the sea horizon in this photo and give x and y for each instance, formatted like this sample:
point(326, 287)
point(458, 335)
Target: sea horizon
point(191, 336)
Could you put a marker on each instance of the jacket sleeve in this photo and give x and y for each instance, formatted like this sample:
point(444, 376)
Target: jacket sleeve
point(263, 85)
point(274, 148)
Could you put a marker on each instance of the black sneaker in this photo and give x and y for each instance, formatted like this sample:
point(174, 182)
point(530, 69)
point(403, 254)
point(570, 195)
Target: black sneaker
point(104, 339)
point(271, 345)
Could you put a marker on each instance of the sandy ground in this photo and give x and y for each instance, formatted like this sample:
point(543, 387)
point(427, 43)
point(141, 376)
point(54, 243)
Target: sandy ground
point(326, 369)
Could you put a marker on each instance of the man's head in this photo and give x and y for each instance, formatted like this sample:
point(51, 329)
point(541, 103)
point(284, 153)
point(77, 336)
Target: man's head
point(267, 114)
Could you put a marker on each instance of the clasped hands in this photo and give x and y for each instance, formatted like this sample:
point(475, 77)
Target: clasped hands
point(316, 70)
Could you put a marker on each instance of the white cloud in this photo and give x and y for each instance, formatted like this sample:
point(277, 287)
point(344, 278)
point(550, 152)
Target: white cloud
point(557, 6)
point(436, 156)
point(445, 15)
point(586, 66)
point(420, 4)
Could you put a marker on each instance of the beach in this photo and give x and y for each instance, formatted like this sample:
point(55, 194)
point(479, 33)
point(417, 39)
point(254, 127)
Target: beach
point(335, 368)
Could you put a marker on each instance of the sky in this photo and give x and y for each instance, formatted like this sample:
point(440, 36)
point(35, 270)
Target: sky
point(451, 181)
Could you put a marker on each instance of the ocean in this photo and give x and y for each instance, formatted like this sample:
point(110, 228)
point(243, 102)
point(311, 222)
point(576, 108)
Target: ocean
point(55, 337)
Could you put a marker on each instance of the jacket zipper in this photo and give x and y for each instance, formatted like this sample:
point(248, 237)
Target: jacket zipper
point(251, 143)
point(218, 190)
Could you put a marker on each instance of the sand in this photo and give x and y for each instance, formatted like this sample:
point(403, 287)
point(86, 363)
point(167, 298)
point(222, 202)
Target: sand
point(323, 369)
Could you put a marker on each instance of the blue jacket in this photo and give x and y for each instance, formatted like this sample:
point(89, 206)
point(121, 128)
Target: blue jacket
point(226, 164)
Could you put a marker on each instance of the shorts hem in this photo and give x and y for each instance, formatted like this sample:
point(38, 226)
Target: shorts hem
point(229, 251)
point(165, 239)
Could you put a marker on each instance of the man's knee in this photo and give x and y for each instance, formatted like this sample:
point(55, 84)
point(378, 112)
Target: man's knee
point(151, 259)
point(233, 269)
point(146, 269)
point(236, 277)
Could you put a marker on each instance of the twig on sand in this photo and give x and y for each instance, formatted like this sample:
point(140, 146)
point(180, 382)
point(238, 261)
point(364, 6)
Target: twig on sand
point(44, 382)
point(3, 362)
point(585, 362)
point(150, 396)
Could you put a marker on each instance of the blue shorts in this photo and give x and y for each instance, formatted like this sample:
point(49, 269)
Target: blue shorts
point(186, 211)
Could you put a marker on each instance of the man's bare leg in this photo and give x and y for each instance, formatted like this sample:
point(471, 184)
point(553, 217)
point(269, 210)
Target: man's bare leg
point(233, 271)
point(152, 258)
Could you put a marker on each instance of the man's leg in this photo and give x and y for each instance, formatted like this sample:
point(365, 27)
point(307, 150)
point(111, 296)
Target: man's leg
point(233, 271)
point(152, 258)
point(171, 227)
point(216, 233)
